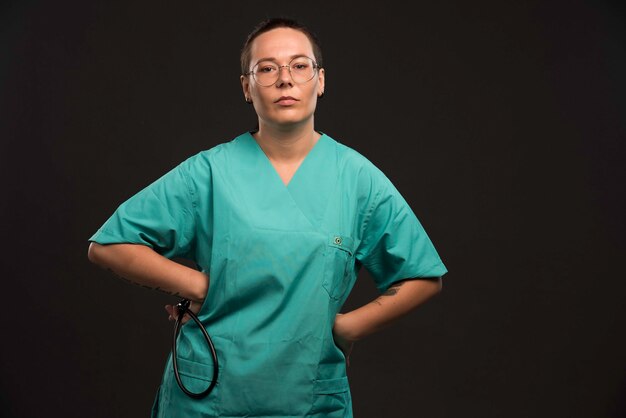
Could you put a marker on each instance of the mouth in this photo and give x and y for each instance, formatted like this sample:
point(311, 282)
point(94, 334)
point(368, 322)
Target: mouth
point(286, 100)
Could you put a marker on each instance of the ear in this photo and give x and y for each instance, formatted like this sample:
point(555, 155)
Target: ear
point(321, 81)
point(245, 86)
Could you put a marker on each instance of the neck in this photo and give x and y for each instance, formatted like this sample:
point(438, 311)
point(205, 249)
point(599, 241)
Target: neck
point(286, 144)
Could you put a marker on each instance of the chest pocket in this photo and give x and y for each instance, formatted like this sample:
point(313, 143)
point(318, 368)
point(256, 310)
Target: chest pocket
point(339, 265)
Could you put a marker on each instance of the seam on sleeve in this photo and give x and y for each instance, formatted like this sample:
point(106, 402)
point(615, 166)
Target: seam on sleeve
point(105, 237)
point(191, 205)
point(192, 194)
point(424, 273)
point(370, 211)
point(193, 198)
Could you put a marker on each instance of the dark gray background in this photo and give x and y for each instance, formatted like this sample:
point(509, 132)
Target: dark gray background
point(501, 123)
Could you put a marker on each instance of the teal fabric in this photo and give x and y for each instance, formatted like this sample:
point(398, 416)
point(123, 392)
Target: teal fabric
point(281, 261)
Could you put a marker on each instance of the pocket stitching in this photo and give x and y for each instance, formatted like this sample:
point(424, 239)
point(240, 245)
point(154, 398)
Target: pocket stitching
point(345, 246)
point(192, 374)
point(331, 386)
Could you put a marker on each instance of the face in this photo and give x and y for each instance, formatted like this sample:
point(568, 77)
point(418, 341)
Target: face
point(281, 45)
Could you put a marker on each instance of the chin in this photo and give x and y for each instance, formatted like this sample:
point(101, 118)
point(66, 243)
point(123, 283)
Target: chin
point(290, 119)
point(290, 122)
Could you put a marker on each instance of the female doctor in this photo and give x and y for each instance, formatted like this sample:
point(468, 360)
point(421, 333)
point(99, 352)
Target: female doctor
point(279, 222)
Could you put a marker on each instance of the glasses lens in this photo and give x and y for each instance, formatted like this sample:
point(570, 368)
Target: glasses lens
point(266, 73)
point(302, 69)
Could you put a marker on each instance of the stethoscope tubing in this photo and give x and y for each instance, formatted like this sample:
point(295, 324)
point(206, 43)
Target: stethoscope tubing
point(183, 308)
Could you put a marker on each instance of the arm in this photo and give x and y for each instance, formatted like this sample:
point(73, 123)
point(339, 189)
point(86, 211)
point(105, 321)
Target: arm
point(141, 265)
point(401, 298)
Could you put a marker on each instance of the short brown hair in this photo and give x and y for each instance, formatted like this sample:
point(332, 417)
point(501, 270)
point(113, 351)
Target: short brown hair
point(273, 23)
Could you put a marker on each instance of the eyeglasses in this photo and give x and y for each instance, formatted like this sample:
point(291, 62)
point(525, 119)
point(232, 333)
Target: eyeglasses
point(301, 69)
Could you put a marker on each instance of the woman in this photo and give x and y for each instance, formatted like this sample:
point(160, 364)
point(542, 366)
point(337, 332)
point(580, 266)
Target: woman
point(279, 222)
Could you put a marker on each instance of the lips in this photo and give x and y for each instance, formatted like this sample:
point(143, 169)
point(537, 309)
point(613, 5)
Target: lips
point(286, 100)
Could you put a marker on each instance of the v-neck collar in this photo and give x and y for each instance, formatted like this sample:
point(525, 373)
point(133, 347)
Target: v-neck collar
point(303, 203)
point(307, 157)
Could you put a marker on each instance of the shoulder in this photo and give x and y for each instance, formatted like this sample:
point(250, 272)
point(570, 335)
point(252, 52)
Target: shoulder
point(354, 165)
point(207, 160)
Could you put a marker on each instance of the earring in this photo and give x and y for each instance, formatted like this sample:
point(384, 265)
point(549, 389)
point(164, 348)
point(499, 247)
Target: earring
point(248, 100)
point(320, 95)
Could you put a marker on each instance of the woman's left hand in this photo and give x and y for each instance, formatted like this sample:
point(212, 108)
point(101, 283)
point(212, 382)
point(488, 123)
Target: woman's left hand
point(345, 343)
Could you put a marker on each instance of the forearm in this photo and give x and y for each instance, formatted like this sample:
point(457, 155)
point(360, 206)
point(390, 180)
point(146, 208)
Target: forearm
point(141, 265)
point(397, 301)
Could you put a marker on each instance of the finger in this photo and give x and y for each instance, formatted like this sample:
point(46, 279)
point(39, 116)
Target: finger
point(184, 319)
point(349, 353)
point(174, 313)
point(170, 310)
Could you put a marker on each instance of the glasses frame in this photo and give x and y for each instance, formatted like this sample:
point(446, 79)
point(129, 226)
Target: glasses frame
point(316, 69)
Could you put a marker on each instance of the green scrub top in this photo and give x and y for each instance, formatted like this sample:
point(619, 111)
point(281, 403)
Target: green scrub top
point(281, 260)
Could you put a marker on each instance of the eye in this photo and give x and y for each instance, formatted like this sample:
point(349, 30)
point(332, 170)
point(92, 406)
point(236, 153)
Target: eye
point(265, 69)
point(300, 66)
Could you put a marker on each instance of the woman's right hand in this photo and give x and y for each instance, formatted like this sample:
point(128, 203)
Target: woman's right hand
point(172, 310)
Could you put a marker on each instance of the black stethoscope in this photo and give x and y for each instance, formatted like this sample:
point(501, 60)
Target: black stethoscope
point(183, 308)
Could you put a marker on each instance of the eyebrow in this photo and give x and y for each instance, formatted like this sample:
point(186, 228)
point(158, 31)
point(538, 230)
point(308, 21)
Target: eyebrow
point(274, 59)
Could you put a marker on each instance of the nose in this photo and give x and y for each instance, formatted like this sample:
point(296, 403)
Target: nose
point(284, 77)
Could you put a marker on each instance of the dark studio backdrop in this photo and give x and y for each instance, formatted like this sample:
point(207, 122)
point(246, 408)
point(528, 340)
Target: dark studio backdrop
point(501, 123)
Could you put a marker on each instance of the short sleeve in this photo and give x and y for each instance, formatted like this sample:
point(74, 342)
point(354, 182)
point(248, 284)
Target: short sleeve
point(394, 245)
point(160, 216)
